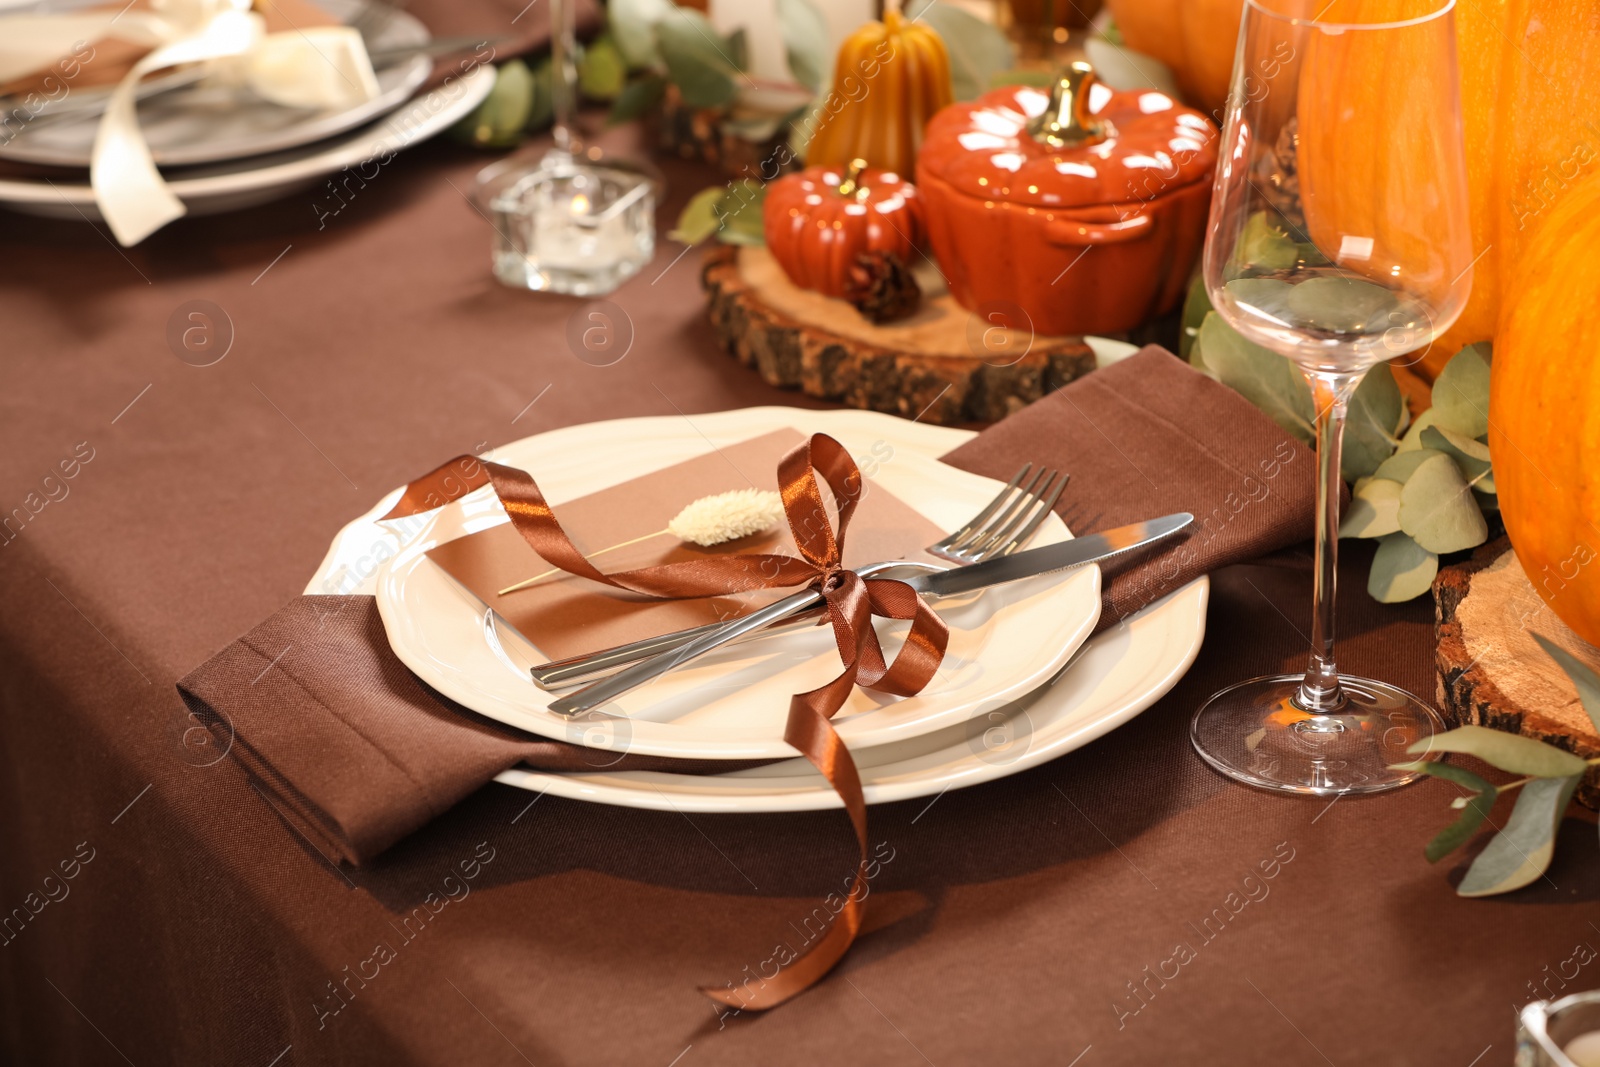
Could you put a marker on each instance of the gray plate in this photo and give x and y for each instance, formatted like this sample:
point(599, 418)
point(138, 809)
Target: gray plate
point(246, 183)
point(204, 124)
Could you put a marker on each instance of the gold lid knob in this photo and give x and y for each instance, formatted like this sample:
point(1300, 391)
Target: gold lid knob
point(851, 185)
point(1066, 121)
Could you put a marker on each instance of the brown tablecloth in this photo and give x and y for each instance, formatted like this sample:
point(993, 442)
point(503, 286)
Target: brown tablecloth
point(1041, 910)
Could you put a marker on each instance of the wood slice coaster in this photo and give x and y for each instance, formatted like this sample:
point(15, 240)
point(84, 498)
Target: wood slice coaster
point(922, 366)
point(1491, 671)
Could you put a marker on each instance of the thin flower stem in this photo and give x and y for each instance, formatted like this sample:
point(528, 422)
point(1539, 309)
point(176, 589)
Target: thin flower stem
point(526, 582)
point(1520, 782)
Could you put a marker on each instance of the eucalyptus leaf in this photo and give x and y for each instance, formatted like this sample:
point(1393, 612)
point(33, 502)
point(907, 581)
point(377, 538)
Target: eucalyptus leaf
point(1458, 833)
point(1401, 570)
point(1461, 392)
point(1521, 852)
point(1437, 509)
point(1264, 245)
point(740, 214)
point(1374, 509)
point(499, 120)
point(1262, 377)
point(1450, 773)
point(1472, 457)
point(805, 39)
point(1413, 437)
point(1583, 676)
point(602, 72)
point(1311, 255)
point(1195, 306)
point(1509, 752)
point(757, 129)
point(633, 25)
point(738, 48)
point(696, 58)
point(978, 49)
point(1265, 297)
point(1375, 407)
point(637, 98)
point(1475, 807)
point(1123, 69)
point(1400, 466)
point(699, 218)
point(1342, 305)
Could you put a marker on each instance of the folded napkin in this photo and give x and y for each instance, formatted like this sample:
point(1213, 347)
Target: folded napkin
point(351, 747)
point(1148, 436)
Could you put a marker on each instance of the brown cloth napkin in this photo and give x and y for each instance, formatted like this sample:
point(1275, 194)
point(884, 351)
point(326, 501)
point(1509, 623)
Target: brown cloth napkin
point(353, 749)
point(1149, 436)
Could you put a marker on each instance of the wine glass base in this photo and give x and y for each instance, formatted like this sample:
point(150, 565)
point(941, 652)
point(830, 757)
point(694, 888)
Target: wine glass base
point(1254, 733)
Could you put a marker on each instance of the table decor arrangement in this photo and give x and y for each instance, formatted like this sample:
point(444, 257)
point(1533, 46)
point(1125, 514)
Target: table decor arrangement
point(1062, 170)
point(358, 750)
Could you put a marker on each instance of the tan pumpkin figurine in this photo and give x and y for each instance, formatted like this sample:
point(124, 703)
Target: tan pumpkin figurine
point(890, 78)
point(820, 221)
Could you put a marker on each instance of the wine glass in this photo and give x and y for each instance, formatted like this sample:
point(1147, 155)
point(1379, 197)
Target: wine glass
point(1339, 238)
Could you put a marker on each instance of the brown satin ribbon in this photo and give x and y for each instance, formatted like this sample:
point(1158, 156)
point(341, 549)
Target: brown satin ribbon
point(851, 602)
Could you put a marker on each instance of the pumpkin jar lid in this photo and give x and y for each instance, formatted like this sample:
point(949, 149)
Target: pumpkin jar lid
point(1081, 144)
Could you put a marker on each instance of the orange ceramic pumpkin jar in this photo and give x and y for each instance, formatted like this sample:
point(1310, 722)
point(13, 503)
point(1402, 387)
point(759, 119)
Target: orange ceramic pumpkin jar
point(1085, 207)
point(818, 221)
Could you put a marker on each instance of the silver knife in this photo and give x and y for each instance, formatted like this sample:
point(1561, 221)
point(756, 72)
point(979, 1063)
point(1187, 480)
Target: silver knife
point(1093, 548)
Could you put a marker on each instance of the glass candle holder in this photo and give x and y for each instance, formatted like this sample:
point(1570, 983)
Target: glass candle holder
point(567, 225)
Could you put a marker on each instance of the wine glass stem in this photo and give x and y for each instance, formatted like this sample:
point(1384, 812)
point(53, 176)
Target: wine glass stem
point(1319, 690)
point(563, 71)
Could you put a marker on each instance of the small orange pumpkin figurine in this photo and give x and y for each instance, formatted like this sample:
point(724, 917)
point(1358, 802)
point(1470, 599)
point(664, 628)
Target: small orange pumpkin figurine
point(818, 221)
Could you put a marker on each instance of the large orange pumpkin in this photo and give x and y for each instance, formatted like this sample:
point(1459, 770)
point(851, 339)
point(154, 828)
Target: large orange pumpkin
point(1193, 37)
point(1526, 66)
point(818, 221)
point(1544, 408)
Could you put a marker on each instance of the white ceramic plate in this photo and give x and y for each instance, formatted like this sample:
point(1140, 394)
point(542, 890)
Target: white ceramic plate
point(208, 124)
point(230, 186)
point(1114, 677)
point(1003, 643)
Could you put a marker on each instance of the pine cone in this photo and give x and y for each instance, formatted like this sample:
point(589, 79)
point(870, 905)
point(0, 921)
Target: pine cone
point(882, 287)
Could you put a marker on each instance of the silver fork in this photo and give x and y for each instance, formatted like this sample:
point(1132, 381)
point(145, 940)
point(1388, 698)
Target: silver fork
point(1005, 524)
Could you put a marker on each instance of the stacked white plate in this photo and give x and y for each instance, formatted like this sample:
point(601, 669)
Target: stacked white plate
point(221, 149)
point(1022, 681)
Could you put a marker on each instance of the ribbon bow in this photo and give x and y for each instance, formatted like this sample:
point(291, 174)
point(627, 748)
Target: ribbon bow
point(318, 67)
point(851, 602)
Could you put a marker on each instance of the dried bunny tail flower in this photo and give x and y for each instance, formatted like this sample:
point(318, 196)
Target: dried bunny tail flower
point(712, 520)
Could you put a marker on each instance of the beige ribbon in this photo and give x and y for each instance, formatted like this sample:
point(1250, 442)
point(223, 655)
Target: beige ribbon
point(319, 67)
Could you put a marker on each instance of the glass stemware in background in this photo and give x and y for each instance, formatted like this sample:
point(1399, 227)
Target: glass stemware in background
point(1339, 238)
point(575, 220)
